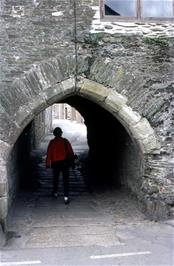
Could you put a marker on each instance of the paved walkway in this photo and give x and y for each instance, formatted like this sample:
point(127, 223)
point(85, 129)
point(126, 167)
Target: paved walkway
point(89, 219)
point(100, 228)
point(103, 228)
point(39, 220)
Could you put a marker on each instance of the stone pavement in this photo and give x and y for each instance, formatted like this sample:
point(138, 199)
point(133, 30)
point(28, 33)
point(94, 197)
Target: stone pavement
point(104, 227)
point(85, 232)
point(89, 219)
point(38, 220)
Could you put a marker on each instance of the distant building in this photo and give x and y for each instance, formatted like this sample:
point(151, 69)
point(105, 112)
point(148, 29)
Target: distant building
point(65, 111)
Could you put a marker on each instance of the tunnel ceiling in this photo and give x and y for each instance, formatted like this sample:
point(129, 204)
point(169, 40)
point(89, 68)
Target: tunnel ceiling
point(101, 125)
point(106, 139)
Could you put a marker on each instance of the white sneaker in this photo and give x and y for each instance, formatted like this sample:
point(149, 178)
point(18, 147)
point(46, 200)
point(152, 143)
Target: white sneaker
point(66, 200)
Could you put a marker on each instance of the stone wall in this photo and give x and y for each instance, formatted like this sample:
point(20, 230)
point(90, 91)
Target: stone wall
point(13, 172)
point(131, 166)
point(48, 120)
point(42, 125)
point(136, 60)
point(18, 166)
point(39, 128)
point(140, 68)
point(45, 46)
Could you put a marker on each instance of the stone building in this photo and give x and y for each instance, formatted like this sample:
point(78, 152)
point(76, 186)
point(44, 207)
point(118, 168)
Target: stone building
point(65, 111)
point(115, 68)
point(42, 124)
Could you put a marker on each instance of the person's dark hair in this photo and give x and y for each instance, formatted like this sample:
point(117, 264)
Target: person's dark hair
point(57, 132)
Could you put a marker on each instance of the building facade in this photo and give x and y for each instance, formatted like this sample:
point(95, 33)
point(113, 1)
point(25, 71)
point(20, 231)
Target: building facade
point(65, 111)
point(93, 57)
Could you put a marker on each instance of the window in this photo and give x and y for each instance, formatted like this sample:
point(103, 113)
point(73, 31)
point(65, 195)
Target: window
point(157, 8)
point(137, 8)
point(120, 8)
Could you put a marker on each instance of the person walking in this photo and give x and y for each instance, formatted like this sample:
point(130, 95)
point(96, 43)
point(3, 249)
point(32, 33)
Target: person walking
point(60, 157)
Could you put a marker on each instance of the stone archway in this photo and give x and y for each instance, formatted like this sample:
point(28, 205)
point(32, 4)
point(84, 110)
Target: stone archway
point(138, 128)
point(51, 82)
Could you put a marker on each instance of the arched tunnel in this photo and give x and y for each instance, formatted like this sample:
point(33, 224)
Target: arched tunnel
point(111, 149)
point(113, 159)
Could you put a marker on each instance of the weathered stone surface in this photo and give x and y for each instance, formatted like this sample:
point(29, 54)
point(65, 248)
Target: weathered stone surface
point(115, 101)
point(3, 188)
point(3, 181)
point(156, 210)
point(59, 91)
point(32, 82)
point(3, 208)
point(23, 115)
point(4, 150)
point(94, 90)
point(128, 116)
point(52, 93)
point(55, 70)
point(38, 104)
point(50, 73)
point(9, 128)
point(68, 86)
point(83, 64)
point(142, 130)
point(2, 237)
point(149, 188)
point(108, 72)
point(44, 44)
point(13, 97)
point(150, 145)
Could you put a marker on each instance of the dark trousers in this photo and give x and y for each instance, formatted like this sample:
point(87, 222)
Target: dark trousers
point(60, 166)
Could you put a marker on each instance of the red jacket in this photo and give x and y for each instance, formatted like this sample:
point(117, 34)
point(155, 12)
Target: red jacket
point(58, 149)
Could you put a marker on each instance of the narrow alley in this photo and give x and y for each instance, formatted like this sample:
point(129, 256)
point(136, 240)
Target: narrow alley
point(102, 71)
point(93, 229)
point(35, 210)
